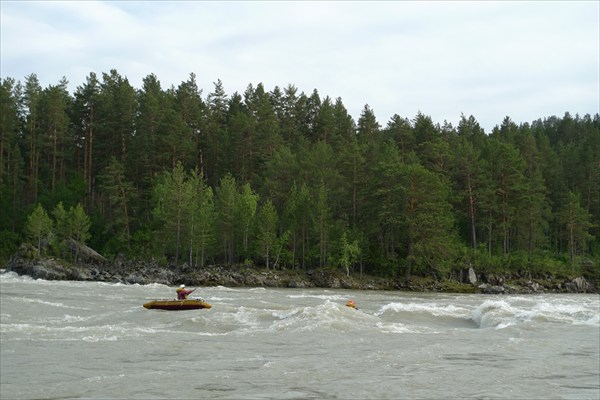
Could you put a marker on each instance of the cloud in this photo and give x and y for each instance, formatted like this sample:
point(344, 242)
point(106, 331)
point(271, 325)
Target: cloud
point(487, 59)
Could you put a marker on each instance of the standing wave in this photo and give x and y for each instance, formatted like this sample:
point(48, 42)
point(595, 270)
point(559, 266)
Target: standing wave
point(500, 314)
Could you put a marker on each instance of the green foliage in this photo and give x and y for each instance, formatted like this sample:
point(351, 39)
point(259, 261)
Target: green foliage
point(79, 225)
point(120, 194)
point(428, 221)
point(350, 252)
point(296, 216)
point(225, 201)
point(590, 269)
point(245, 212)
point(170, 174)
point(576, 221)
point(39, 228)
point(202, 237)
point(74, 225)
point(69, 192)
point(142, 245)
point(266, 231)
point(9, 243)
point(484, 262)
point(281, 250)
point(543, 263)
point(321, 222)
point(62, 230)
point(173, 209)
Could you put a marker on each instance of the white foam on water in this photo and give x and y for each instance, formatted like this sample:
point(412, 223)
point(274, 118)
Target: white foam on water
point(324, 316)
point(95, 333)
point(435, 309)
point(397, 345)
point(257, 289)
point(393, 327)
point(284, 314)
point(500, 314)
point(593, 321)
point(99, 338)
point(262, 314)
point(330, 297)
point(573, 313)
point(246, 316)
point(46, 303)
point(14, 277)
point(494, 314)
point(224, 289)
point(156, 285)
point(103, 377)
point(68, 318)
point(10, 328)
point(220, 298)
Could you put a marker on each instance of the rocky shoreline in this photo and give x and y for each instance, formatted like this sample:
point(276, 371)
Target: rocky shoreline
point(96, 268)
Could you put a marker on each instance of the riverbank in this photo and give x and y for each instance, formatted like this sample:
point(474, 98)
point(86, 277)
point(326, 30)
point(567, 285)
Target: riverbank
point(147, 272)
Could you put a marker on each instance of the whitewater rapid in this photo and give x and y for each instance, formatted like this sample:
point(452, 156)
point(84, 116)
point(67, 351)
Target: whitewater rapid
point(95, 340)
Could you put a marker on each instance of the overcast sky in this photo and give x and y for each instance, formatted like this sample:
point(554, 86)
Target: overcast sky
point(525, 60)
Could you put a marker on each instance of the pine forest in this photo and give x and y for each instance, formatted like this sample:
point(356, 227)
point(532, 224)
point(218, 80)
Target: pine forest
point(284, 179)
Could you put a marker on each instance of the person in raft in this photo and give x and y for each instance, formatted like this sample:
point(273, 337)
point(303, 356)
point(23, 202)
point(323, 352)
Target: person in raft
point(351, 304)
point(182, 292)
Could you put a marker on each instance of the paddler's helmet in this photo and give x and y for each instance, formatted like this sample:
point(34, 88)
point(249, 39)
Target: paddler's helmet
point(182, 286)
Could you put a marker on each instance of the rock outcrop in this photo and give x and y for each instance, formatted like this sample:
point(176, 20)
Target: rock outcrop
point(97, 268)
point(578, 285)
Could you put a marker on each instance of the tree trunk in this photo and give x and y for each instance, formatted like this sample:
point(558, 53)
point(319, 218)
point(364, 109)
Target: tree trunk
point(471, 211)
point(54, 145)
point(90, 152)
point(409, 259)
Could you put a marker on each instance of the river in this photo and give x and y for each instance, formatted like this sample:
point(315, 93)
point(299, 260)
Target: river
point(90, 340)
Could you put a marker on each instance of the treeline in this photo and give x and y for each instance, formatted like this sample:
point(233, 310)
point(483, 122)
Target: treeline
point(285, 179)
